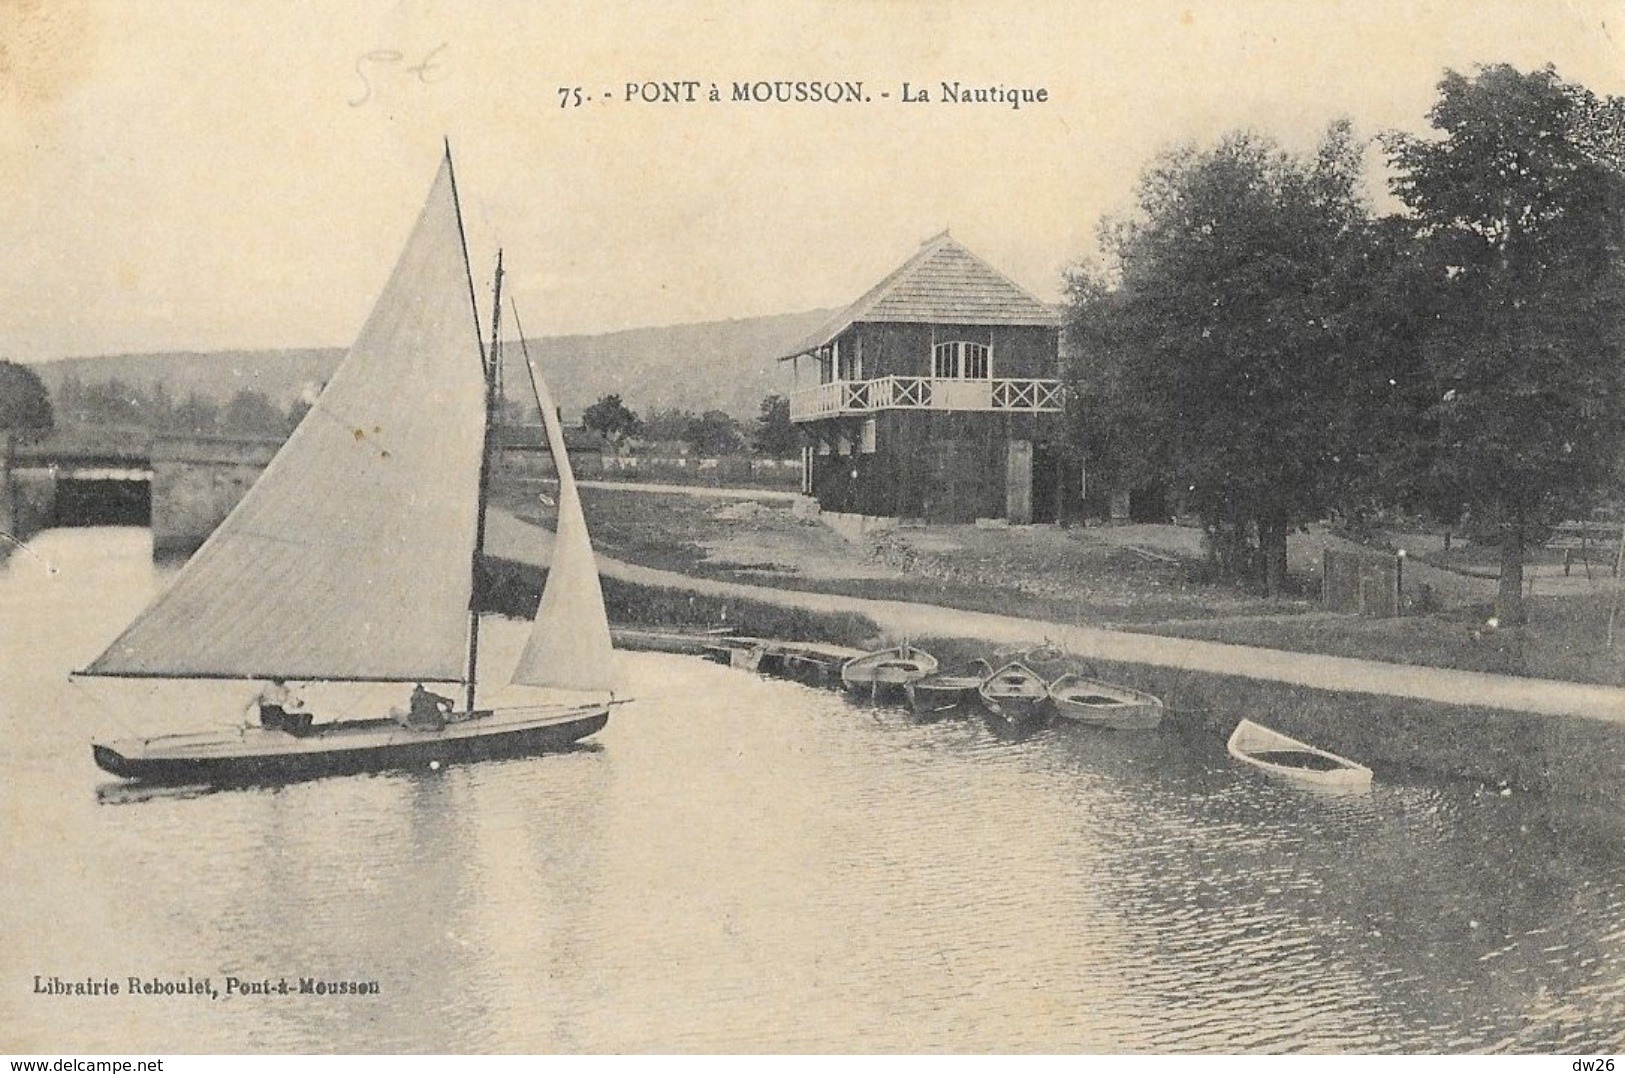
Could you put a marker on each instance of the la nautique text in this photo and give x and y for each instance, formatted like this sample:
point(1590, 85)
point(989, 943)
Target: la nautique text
point(766, 91)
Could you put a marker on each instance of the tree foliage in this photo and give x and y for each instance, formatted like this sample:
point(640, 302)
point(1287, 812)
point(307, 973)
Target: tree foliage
point(25, 406)
point(776, 436)
point(611, 419)
point(1218, 340)
point(1518, 215)
point(715, 433)
point(668, 423)
point(251, 412)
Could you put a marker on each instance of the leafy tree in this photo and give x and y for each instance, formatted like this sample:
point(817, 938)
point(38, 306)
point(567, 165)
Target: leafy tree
point(196, 415)
point(1519, 222)
point(611, 419)
point(1221, 333)
point(1108, 427)
point(251, 412)
point(25, 406)
point(112, 402)
point(668, 424)
point(776, 436)
point(715, 433)
point(307, 398)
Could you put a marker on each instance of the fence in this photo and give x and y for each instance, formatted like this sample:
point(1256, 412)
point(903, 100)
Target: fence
point(1363, 582)
point(725, 471)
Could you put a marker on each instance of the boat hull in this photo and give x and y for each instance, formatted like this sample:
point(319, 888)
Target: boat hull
point(810, 668)
point(1093, 703)
point(887, 672)
point(257, 756)
point(1295, 762)
point(935, 699)
point(1017, 695)
point(1020, 711)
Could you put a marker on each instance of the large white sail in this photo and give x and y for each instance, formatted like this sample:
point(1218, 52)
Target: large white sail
point(569, 646)
point(351, 557)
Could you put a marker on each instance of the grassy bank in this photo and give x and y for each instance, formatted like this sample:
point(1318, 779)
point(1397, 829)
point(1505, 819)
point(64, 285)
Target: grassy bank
point(1035, 572)
point(1566, 638)
point(1139, 578)
point(515, 589)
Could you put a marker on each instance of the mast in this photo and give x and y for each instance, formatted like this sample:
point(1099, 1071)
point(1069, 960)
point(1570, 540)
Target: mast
point(491, 363)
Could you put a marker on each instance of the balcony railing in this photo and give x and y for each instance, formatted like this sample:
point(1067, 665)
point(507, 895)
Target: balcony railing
point(1019, 396)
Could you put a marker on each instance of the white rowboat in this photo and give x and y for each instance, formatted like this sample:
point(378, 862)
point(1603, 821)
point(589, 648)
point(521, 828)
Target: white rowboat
point(1296, 762)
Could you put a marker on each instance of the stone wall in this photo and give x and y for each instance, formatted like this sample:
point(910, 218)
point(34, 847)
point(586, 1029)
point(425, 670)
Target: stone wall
point(196, 481)
point(27, 495)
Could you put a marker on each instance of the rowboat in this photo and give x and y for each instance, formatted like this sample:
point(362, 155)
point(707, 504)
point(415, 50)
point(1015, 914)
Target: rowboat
point(353, 558)
point(1016, 694)
point(887, 669)
point(940, 695)
point(681, 642)
point(742, 653)
point(1102, 704)
point(813, 662)
point(1296, 762)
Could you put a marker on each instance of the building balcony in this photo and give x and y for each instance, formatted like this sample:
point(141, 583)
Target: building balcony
point(844, 397)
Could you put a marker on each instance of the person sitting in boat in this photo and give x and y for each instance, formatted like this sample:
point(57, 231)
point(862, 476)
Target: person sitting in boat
point(280, 709)
point(427, 709)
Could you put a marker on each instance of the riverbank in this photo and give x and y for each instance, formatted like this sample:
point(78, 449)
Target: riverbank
point(1507, 732)
point(1141, 578)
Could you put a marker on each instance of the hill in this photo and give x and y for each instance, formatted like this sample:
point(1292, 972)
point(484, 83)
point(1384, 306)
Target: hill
point(718, 365)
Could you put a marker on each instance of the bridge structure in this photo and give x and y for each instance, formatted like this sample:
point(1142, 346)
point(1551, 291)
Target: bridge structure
point(180, 485)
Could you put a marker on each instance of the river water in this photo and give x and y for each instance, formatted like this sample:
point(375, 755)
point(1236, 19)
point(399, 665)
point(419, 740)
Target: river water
point(743, 864)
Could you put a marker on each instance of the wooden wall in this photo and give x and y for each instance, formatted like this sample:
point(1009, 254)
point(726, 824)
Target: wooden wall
point(942, 466)
point(904, 350)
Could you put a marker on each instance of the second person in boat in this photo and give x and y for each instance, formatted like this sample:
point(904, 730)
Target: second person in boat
point(427, 710)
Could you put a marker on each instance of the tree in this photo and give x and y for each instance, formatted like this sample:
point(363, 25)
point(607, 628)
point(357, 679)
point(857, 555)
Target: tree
point(251, 412)
point(1520, 225)
point(610, 419)
point(1222, 327)
point(715, 433)
point(197, 416)
point(668, 424)
point(25, 406)
point(776, 436)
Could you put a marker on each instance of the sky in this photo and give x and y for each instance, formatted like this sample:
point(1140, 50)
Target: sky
point(191, 175)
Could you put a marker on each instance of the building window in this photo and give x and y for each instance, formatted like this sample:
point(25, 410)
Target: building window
point(961, 359)
point(866, 441)
point(826, 366)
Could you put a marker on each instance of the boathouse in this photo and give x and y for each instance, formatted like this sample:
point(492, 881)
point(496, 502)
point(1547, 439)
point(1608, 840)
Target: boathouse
point(934, 396)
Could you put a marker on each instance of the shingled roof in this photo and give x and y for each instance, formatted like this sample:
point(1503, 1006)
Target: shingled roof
point(943, 283)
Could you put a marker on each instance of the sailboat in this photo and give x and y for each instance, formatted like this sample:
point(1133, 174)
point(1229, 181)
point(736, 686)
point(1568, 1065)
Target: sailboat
point(354, 556)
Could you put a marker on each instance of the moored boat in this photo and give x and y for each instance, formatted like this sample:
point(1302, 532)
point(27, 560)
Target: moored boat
point(813, 662)
point(742, 653)
point(1016, 694)
point(353, 559)
point(944, 694)
point(1083, 700)
point(887, 669)
point(682, 642)
point(1296, 762)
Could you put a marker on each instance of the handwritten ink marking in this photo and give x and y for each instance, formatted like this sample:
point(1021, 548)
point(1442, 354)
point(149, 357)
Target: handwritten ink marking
point(422, 70)
point(389, 57)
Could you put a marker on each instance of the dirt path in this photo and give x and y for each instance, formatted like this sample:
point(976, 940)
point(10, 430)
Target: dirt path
point(513, 539)
point(708, 491)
